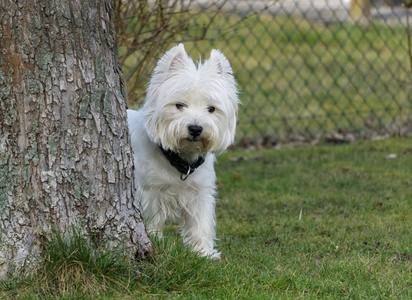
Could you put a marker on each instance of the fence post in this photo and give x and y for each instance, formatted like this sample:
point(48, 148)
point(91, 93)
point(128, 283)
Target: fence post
point(360, 10)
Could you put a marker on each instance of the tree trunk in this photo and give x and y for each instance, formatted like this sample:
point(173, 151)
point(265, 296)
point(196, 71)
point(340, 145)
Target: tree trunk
point(65, 157)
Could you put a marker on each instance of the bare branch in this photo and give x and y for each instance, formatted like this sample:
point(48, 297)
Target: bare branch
point(146, 28)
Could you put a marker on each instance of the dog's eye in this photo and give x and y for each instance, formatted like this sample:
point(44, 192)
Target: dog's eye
point(211, 109)
point(180, 106)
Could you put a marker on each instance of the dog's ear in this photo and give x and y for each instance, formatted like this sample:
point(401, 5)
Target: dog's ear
point(173, 60)
point(219, 62)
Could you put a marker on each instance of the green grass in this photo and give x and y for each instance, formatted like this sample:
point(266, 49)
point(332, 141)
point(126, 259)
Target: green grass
point(327, 222)
point(324, 222)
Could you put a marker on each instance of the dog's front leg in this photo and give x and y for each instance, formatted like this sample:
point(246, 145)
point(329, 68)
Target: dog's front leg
point(153, 213)
point(199, 226)
point(155, 230)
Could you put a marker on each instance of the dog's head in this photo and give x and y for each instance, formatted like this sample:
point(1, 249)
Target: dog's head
point(191, 109)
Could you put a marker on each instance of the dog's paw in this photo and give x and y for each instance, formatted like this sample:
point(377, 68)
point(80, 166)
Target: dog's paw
point(155, 233)
point(215, 256)
point(211, 254)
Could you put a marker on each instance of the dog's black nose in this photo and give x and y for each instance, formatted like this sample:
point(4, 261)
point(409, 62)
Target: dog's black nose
point(195, 130)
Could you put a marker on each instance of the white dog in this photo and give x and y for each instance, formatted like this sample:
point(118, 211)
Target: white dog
point(189, 114)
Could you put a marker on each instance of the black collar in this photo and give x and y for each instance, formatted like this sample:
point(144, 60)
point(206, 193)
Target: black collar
point(183, 166)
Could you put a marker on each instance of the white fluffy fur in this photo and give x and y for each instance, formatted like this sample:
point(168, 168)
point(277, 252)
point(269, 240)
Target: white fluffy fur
point(196, 88)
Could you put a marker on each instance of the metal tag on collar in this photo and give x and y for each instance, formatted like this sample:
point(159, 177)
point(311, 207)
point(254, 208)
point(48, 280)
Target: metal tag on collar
point(183, 177)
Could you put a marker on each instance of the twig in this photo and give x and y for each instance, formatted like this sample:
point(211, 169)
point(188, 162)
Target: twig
point(145, 29)
point(408, 32)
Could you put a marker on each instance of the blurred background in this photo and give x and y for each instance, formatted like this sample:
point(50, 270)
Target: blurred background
point(308, 71)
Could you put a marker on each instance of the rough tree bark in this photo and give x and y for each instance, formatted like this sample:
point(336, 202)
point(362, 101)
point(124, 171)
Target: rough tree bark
point(65, 157)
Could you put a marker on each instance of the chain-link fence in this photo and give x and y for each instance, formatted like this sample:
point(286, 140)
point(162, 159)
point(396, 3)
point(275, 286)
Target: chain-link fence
point(308, 68)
